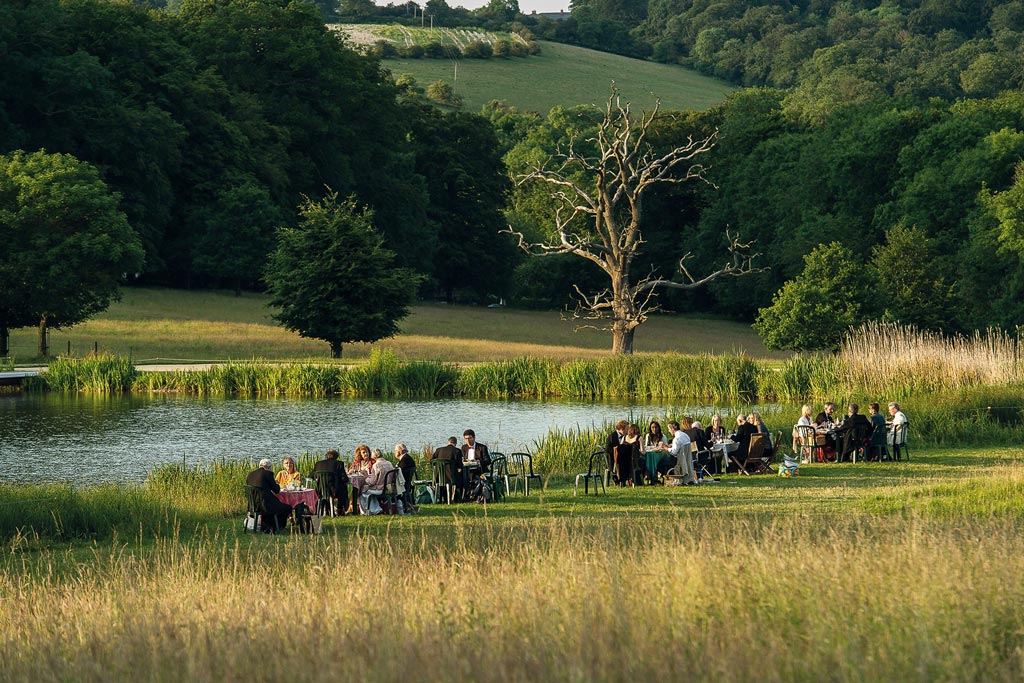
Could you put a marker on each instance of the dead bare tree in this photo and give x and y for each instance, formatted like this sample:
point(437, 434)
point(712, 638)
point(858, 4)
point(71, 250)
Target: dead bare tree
point(601, 223)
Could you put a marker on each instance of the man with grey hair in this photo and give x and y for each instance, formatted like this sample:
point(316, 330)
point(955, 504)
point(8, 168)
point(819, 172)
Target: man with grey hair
point(681, 451)
point(263, 478)
point(898, 425)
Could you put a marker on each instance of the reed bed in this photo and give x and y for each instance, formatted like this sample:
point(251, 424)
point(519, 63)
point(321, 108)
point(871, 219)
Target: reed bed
point(904, 361)
point(99, 374)
point(674, 597)
point(877, 362)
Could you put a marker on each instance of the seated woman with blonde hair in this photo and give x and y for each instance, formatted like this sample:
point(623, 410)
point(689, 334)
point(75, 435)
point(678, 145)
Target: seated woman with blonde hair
point(289, 474)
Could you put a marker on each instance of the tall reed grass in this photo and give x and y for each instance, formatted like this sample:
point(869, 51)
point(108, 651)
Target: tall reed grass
point(903, 361)
point(100, 374)
point(879, 362)
point(668, 597)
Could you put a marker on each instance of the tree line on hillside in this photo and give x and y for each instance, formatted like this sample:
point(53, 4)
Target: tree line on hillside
point(230, 129)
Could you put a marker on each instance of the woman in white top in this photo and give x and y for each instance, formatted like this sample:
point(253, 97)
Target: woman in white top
point(805, 421)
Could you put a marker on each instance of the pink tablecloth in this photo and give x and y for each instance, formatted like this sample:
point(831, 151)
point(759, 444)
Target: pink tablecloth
point(293, 498)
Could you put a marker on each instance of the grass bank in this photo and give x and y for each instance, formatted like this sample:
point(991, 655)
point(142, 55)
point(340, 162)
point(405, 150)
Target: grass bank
point(178, 326)
point(567, 75)
point(848, 573)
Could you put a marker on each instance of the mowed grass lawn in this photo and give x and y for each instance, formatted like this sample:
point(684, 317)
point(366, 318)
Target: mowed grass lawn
point(874, 571)
point(166, 325)
point(567, 75)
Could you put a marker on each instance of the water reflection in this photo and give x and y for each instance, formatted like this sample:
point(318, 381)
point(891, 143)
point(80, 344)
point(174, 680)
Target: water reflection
point(87, 439)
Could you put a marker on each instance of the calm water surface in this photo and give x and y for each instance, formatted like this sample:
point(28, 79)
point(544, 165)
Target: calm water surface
point(89, 439)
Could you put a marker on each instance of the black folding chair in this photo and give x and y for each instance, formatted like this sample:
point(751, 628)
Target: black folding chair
point(899, 441)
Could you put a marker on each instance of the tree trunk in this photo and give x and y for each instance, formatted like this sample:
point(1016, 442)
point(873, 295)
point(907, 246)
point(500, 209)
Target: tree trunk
point(238, 286)
point(44, 349)
point(622, 337)
point(335, 349)
point(5, 347)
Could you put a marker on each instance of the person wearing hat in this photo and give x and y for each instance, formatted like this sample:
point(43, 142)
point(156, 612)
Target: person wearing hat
point(263, 478)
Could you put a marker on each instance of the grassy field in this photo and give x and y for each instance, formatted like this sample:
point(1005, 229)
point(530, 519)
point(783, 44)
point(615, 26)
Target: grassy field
point(903, 571)
point(566, 75)
point(164, 325)
point(399, 35)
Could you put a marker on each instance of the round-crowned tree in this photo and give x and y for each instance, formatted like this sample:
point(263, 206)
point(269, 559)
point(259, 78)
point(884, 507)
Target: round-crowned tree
point(333, 279)
point(67, 245)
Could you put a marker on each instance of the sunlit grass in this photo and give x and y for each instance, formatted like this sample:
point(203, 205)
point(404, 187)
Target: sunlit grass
point(163, 325)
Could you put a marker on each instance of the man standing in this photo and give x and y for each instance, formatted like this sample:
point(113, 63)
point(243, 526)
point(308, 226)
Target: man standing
point(263, 479)
point(681, 451)
point(475, 452)
point(616, 438)
point(451, 456)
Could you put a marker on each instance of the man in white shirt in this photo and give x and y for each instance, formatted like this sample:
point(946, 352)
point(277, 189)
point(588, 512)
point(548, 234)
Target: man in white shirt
point(681, 451)
point(899, 420)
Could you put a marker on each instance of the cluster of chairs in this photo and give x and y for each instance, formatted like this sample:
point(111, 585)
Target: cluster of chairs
point(507, 472)
point(870, 444)
point(758, 461)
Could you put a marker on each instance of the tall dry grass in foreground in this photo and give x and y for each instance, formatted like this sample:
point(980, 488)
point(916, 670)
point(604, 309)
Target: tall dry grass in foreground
point(677, 597)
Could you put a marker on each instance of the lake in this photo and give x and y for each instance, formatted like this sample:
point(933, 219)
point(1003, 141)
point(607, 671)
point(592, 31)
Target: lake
point(91, 439)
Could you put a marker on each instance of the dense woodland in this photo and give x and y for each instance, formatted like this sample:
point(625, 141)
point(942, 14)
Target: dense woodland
point(877, 163)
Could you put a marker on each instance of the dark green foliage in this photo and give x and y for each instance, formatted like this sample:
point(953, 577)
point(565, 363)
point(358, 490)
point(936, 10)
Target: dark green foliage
point(68, 245)
point(910, 285)
point(333, 279)
point(815, 310)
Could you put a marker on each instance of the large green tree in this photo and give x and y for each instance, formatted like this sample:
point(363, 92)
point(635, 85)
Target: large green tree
point(67, 244)
point(814, 310)
point(333, 279)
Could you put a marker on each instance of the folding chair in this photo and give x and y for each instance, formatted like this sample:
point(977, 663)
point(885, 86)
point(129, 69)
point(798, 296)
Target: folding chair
point(755, 452)
point(758, 460)
point(597, 460)
point(877, 444)
point(859, 435)
point(523, 462)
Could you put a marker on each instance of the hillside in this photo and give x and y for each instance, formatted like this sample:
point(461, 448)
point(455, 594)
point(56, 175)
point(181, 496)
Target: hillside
point(566, 75)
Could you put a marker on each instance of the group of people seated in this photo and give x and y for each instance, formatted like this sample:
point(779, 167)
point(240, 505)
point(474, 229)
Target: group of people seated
point(466, 467)
point(633, 459)
point(366, 476)
point(832, 438)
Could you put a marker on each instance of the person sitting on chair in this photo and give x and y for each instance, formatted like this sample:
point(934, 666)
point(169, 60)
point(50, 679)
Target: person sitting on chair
point(898, 420)
point(374, 484)
point(715, 432)
point(681, 452)
point(744, 430)
point(451, 455)
point(289, 474)
point(338, 486)
point(475, 452)
point(627, 455)
point(263, 479)
point(805, 421)
point(854, 423)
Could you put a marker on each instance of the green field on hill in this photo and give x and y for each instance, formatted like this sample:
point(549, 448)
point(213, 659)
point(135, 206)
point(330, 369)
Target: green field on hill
point(172, 324)
point(566, 75)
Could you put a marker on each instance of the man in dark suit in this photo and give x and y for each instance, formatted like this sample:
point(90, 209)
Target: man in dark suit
point(616, 438)
point(744, 430)
point(338, 487)
point(475, 452)
point(263, 479)
point(854, 430)
point(451, 455)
